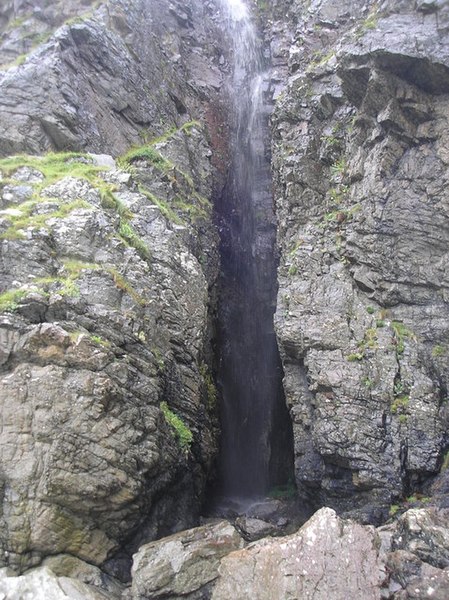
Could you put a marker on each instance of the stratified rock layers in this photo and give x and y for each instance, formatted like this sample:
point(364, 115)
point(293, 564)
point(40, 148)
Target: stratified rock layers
point(107, 400)
point(360, 166)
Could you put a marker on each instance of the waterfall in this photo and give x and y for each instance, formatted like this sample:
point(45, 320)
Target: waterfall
point(256, 444)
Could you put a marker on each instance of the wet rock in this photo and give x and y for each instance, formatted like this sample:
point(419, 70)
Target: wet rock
point(425, 533)
point(104, 319)
point(326, 558)
point(183, 565)
point(362, 311)
point(254, 529)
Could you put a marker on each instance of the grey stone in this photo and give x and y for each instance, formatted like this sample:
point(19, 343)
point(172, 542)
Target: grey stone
point(184, 564)
point(326, 558)
point(42, 584)
point(359, 170)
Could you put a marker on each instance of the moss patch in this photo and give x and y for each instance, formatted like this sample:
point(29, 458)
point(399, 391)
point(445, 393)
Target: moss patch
point(183, 433)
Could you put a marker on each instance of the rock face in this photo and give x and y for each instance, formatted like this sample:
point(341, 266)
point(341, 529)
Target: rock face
point(102, 342)
point(117, 73)
point(360, 167)
point(107, 400)
point(42, 584)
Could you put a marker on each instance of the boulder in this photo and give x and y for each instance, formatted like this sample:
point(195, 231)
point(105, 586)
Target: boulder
point(184, 565)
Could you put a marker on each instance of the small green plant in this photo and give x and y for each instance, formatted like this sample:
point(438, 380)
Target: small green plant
point(401, 332)
point(292, 270)
point(367, 382)
point(10, 299)
point(380, 323)
point(96, 339)
point(183, 433)
point(445, 464)
point(340, 167)
point(438, 351)
point(369, 339)
point(148, 154)
point(370, 310)
point(400, 404)
point(211, 390)
point(355, 356)
point(122, 284)
point(394, 508)
point(127, 233)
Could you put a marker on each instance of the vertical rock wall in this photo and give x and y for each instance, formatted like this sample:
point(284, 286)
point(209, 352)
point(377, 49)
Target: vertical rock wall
point(106, 266)
point(360, 166)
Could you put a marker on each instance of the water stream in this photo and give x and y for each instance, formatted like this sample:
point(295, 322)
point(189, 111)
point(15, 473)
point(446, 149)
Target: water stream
point(256, 444)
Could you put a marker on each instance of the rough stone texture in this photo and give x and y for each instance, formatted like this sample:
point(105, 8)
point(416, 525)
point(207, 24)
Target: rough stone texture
point(105, 280)
point(118, 73)
point(183, 565)
point(327, 558)
point(42, 584)
point(102, 328)
point(360, 167)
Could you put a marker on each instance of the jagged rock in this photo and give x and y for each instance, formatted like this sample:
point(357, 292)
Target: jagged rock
point(254, 529)
point(183, 565)
point(104, 316)
point(327, 558)
point(109, 74)
point(425, 533)
point(360, 171)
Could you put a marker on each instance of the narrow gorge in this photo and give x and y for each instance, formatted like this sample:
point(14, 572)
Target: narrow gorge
point(256, 438)
point(224, 310)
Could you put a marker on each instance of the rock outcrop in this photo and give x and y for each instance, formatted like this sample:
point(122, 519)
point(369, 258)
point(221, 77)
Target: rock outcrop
point(107, 428)
point(106, 270)
point(328, 557)
point(360, 169)
point(115, 141)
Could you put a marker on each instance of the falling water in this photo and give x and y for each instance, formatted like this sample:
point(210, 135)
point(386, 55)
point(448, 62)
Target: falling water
point(256, 445)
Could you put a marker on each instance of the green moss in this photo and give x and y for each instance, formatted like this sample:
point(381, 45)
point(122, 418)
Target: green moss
point(355, 356)
point(401, 332)
point(127, 233)
point(96, 339)
point(370, 310)
point(394, 508)
point(438, 351)
point(163, 206)
point(54, 166)
point(183, 433)
point(380, 323)
point(186, 128)
point(10, 299)
point(122, 284)
point(148, 154)
point(29, 220)
point(400, 404)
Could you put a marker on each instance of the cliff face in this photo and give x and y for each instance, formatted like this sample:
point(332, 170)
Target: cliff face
point(107, 400)
point(360, 167)
point(118, 112)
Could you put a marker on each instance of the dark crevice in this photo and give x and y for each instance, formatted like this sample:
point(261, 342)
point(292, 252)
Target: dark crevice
point(256, 451)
